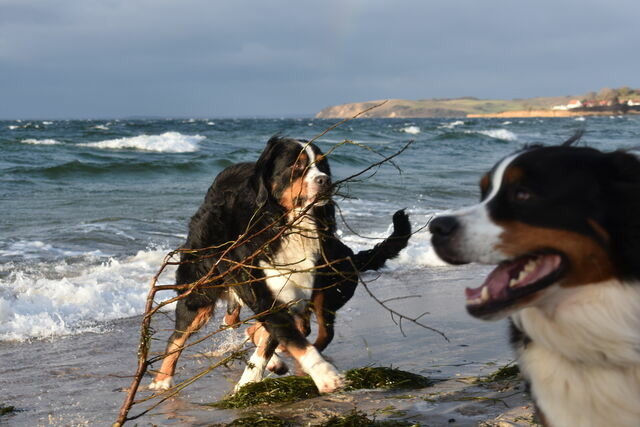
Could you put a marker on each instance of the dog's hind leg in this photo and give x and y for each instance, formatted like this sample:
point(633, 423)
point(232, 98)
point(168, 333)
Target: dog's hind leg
point(188, 321)
point(326, 321)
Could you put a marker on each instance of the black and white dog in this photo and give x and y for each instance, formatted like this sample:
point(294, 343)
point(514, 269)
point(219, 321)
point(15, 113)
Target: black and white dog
point(562, 224)
point(267, 231)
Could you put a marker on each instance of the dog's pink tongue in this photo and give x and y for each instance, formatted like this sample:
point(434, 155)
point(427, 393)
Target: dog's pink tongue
point(496, 283)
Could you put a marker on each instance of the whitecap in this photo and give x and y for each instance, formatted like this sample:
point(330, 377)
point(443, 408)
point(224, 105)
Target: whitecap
point(413, 130)
point(501, 134)
point(13, 127)
point(168, 142)
point(68, 299)
point(579, 119)
point(100, 127)
point(47, 123)
point(452, 124)
point(40, 141)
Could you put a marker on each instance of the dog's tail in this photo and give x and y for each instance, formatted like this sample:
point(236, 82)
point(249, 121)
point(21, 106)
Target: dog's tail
point(373, 259)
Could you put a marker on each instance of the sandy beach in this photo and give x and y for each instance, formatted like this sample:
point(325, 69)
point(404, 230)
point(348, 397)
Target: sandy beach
point(80, 380)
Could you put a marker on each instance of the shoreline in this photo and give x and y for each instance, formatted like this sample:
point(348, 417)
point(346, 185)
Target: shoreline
point(547, 113)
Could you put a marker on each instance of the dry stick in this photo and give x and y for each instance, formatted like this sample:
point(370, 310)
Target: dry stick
point(401, 316)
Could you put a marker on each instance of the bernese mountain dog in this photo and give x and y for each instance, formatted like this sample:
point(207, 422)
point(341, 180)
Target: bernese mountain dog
point(562, 223)
point(264, 238)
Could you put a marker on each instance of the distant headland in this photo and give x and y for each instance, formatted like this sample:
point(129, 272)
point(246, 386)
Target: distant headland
point(605, 102)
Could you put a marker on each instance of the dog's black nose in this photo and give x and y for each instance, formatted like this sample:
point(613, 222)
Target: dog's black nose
point(443, 225)
point(323, 180)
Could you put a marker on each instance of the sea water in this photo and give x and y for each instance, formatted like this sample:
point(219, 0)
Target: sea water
point(89, 208)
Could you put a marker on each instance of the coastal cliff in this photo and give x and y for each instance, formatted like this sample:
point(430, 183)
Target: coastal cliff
point(605, 102)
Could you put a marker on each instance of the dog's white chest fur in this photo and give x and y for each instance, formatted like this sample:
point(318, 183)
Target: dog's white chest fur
point(290, 271)
point(584, 358)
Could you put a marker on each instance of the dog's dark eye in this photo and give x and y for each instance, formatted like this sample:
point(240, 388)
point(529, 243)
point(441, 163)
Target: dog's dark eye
point(522, 195)
point(299, 165)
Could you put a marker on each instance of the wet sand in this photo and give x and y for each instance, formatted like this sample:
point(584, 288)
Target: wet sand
point(79, 380)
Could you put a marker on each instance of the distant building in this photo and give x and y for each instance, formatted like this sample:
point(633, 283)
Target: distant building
point(574, 103)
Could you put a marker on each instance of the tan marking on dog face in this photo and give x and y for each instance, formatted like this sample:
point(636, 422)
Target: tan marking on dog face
point(295, 191)
point(588, 262)
point(485, 181)
point(512, 174)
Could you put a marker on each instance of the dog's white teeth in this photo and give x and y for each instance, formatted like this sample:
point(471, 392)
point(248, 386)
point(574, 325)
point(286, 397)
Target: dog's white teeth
point(522, 275)
point(474, 301)
point(512, 283)
point(531, 265)
point(484, 296)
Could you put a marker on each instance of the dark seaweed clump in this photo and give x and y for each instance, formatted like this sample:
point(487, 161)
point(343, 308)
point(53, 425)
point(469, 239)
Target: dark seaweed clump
point(507, 372)
point(259, 420)
point(6, 409)
point(293, 388)
point(386, 378)
point(270, 390)
point(359, 419)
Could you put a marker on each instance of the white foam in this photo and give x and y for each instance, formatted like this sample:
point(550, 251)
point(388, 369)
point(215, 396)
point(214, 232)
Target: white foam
point(502, 134)
point(413, 130)
point(579, 119)
point(418, 253)
point(168, 142)
point(13, 127)
point(100, 127)
point(40, 141)
point(62, 298)
point(47, 123)
point(452, 124)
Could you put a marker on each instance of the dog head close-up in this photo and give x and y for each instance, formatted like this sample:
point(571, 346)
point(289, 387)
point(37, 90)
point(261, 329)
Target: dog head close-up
point(293, 172)
point(551, 218)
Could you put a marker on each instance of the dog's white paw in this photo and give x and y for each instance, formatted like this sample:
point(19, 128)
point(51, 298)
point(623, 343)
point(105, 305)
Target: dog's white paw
point(328, 379)
point(324, 374)
point(161, 385)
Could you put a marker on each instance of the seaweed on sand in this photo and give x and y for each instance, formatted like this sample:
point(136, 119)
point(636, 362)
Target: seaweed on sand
point(259, 420)
point(507, 372)
point(381, 377)
point(293, 388)
point(270, 390)
point(6, 409)
point(360, 419)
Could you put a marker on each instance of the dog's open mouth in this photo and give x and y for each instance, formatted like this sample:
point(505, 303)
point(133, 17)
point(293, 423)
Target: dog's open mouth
point(514, 280)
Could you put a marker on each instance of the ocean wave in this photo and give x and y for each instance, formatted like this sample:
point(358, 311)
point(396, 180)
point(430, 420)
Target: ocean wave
point(452, 124)
point(412, 130)
point(502, 134)
point(40, 141)
point(100, 127)
point(114, 167)
point(168, 142)
point(37, 249)
point(64, 299)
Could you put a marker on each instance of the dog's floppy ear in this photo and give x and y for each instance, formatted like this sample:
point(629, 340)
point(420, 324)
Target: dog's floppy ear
point(264, 168)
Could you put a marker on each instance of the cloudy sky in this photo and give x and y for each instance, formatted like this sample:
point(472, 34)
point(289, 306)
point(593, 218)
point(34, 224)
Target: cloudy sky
point(221, 58)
